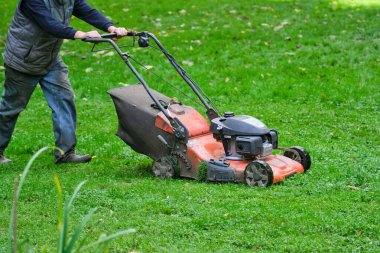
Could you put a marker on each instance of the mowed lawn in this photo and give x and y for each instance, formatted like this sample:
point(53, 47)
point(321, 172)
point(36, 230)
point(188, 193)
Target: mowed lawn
point(310, 69)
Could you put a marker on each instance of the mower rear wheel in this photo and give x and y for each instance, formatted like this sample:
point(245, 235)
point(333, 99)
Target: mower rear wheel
point(163, 167)
point(299, 154)
point(258, 173)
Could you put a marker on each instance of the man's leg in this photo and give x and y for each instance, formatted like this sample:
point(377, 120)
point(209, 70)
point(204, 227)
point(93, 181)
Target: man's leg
point(60, 98)
point(18, 88)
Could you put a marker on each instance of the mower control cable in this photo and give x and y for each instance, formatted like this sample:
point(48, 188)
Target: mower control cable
point(190, 98)
point(211, 111)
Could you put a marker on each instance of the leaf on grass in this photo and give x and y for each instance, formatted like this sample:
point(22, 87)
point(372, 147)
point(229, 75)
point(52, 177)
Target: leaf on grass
point(280, 26)
point(351, 187)
point(148, 67)
point(125, 9)
point(267, 8)
point(123, 84)
point(163, 34)
point(88, 70)
point(182, 12)
point(188, 63)
point(196, 42)
point(109, 54)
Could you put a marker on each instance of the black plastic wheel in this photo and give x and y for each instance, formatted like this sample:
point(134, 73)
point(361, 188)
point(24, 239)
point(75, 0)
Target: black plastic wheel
point(299, 154)
point(258, 173)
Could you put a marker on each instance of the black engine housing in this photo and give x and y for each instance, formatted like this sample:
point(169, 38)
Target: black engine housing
point(243, 136)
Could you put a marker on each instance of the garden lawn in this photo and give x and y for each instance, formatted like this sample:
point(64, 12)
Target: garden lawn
point(310, 69)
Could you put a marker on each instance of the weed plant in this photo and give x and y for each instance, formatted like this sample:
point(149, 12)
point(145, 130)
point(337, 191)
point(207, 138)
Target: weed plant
point(67, 243)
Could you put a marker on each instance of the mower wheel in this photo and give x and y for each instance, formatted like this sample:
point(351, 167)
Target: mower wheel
point(258, 173)
point(163, 167)
point(299, 154)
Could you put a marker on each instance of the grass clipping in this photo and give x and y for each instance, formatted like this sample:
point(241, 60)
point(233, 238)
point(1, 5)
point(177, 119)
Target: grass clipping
point(202, 172)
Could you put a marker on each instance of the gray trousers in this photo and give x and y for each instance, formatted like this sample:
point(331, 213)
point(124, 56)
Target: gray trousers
point(18, 88)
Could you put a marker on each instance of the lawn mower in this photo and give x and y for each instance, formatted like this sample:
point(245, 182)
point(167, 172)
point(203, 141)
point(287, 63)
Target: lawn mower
point(182, 143)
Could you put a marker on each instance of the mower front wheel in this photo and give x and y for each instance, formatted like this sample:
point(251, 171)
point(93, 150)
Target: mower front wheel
point(299, 154)
point(163, 167)
point(258, 173)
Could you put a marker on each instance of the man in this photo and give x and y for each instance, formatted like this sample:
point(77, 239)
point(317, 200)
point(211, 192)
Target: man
point(31, 57)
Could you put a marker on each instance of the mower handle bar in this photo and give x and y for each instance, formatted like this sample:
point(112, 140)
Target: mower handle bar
point(211, 113)
point(109, 36)
point(179, 129)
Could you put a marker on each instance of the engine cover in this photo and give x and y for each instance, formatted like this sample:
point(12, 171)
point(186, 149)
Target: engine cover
point(243, 137)
point(242, 125)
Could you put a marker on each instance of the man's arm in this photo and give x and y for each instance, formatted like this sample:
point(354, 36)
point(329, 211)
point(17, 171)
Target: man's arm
point(37, 11)
point(84, 11)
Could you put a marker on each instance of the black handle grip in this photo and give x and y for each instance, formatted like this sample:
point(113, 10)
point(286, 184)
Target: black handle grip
point(107, 36)
point(114, 35)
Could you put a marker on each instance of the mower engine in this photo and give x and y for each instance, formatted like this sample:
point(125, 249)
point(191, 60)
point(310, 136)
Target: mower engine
point(243, 137)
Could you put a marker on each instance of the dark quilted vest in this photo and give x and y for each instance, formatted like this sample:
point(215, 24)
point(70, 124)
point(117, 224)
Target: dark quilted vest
point(31, 50)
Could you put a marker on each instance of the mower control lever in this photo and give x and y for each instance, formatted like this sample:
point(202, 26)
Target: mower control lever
point(107, 36)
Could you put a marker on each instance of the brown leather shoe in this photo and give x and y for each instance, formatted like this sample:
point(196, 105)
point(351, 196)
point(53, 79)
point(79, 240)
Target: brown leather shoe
point(73, 158)
point(3, 159)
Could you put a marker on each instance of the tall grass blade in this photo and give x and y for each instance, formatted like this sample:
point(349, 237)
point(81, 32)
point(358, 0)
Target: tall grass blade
point(78, 230)
point(75, 193)
point(13, 213)
point(63, 235)
point(109, 238)
point(27, 248)
point(59, 202)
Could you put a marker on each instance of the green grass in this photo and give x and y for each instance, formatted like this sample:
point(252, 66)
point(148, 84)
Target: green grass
point(315, 79)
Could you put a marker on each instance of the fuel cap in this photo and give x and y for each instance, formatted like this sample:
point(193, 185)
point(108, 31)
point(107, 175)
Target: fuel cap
point(229, 114)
